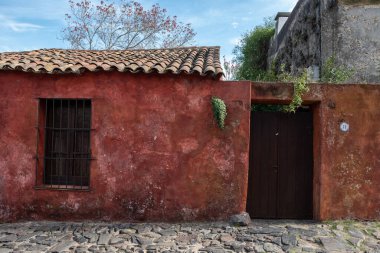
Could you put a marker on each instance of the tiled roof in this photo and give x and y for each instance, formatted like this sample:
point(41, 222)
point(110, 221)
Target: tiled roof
point(201, 60)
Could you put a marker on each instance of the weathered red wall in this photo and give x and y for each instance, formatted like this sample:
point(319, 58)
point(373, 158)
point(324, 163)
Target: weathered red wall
point(159, 154)
point(346, 164)
point(160, 157)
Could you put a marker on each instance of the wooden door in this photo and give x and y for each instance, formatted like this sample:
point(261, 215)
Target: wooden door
point(281, 165)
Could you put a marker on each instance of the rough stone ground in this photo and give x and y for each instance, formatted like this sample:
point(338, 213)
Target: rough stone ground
point(260, 236)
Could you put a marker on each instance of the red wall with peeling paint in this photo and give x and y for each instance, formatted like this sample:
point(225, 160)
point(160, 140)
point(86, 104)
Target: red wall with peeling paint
point(159, 154)
point(160, 157)
point(346, 164)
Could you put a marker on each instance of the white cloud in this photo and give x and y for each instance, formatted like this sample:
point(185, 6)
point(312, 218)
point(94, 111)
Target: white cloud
point(235, 25)
point(17, 26)
point(23, 27)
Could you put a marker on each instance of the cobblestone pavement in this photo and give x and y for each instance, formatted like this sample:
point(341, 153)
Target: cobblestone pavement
point(260, 236)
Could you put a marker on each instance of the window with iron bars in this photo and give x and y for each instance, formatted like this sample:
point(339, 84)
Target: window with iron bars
point(64, 129)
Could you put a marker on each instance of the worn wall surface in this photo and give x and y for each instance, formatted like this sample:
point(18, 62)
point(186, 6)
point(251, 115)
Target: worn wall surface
point(298, 43)
point(346, 164)
point(159, 155)
point(355, 40)
point(320, 29)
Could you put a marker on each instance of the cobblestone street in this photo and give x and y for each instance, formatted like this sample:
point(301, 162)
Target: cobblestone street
point(260, 236)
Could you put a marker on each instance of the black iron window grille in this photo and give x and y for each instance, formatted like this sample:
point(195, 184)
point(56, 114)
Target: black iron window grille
point(64, 129)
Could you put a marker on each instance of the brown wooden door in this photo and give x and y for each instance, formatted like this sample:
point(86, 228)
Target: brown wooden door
point(281, 165)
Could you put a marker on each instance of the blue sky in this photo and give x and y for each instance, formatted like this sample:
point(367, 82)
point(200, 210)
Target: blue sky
point(35, 24)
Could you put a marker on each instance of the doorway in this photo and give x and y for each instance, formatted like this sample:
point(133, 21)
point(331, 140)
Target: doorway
point(281, 165)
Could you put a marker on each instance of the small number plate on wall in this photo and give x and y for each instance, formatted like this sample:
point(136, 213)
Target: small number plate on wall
point(344, 127)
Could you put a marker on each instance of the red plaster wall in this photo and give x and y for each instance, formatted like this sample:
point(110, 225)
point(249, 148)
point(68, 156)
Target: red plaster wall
point(159, 155)
point(350, 161)
point(346, 164)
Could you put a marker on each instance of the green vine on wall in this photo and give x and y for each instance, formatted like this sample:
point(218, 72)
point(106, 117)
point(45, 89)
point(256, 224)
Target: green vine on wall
point(331, 73)
point(300, 87)
point(219, 109)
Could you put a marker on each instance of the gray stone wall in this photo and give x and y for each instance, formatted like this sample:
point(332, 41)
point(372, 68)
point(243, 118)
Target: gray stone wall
point(357, 43)
point(318, 29)
point(298, 44)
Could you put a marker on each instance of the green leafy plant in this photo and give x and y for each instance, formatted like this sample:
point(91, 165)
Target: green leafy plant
point(251, 58)
point(252, 52)
point(334, 73)
point(219, 109)
point(300, 87)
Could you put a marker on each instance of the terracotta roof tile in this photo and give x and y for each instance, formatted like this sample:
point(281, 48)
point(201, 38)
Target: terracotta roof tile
point(201, 60)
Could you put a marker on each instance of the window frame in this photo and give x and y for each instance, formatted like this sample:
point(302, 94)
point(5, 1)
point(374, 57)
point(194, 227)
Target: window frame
point(41, 168)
